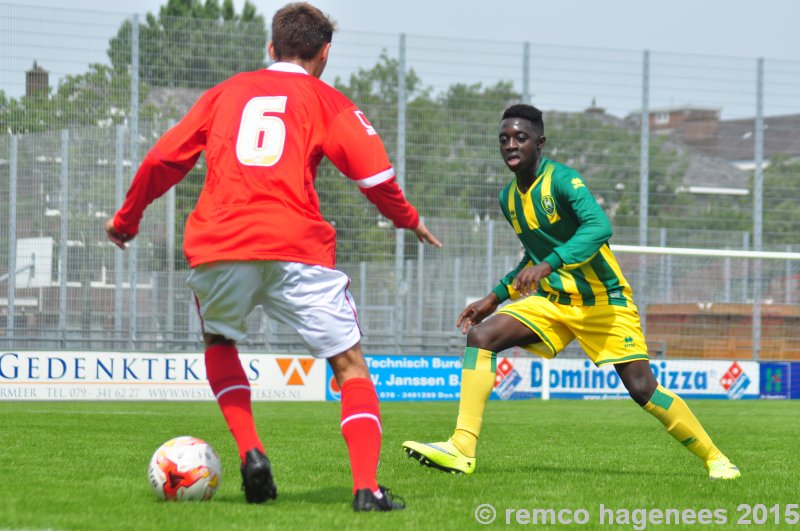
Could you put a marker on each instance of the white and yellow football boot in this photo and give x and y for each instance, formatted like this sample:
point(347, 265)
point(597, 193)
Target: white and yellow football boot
point(442, 455)
point(722, 468)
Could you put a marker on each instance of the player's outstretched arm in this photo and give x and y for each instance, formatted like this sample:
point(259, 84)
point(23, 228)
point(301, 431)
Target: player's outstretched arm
point(477, 312)
point(425, 236)
point(117, 238)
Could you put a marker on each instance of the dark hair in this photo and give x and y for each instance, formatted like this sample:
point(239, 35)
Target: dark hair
point(526, 112)
point(299, 30)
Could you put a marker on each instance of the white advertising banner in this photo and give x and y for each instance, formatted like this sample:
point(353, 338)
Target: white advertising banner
point(147, 376)
point(520, 378)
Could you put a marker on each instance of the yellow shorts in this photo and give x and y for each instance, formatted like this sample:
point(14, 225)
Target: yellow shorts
point(608, 334)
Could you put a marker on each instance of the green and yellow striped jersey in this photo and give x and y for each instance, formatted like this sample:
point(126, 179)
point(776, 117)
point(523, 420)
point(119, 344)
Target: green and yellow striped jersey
point(558, 220)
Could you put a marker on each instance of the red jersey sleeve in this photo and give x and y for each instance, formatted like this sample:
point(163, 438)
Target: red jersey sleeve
point(355, 148)
point(166, 164)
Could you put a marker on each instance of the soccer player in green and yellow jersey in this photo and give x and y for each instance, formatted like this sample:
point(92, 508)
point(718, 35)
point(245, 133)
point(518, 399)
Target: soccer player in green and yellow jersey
point(567, 286)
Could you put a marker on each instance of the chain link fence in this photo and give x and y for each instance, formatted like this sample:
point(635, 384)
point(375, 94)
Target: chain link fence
point(714, 164)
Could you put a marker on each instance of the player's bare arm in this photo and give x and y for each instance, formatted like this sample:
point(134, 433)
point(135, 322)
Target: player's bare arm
point(528, 279)
point(477, 312)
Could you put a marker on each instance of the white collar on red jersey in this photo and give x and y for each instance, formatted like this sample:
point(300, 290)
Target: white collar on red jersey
point(288, 67)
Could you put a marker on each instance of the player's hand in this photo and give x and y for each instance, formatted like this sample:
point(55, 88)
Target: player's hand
point(528, 279)
point(116, 237)
point(477, 312)
point(425, 236)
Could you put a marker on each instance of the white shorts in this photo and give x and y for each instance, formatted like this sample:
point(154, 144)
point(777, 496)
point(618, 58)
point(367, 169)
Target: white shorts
point(314, 300)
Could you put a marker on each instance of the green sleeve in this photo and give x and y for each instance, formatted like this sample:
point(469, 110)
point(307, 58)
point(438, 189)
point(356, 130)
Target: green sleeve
point(594, 228)
point(501, 289)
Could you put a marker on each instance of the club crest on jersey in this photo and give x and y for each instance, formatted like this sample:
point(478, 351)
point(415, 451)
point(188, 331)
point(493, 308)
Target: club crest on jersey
point(549, 205)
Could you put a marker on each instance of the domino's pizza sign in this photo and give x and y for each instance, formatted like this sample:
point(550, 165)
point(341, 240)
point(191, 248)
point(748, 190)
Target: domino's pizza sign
point(520, 378)
point(507, 379)
point(735, 381)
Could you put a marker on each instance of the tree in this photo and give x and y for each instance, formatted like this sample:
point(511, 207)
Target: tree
point(361, 229)
point(607, 152)
point(99, 97)
point(781, 215)
point(193, 44)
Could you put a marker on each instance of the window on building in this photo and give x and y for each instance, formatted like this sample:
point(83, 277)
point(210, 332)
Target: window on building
point(662, 118)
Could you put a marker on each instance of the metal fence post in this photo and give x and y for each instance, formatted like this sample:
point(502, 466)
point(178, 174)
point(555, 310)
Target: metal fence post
point(119, 263)
point(170, 302)
point(12, 237)
point(362, 284)
point(63, 263)
point(134, 156)
point(420, 285)
point(407, 309)
point(526, 73)
point(458, 296)
point(400, 170)
point(644, 153)
point(644, 181)
point(490, 280)
point(170, 325)
point(788, 299)
point(662, 265)
point(745, 267)
point(726, 272)
point(758, 205)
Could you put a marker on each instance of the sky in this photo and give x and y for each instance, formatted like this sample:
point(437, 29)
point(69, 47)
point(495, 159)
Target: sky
point(737, 28)
point(594, 48)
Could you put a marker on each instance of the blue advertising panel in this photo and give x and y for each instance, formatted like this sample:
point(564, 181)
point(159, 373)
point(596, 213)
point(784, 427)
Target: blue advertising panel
point(523, 378)
point(776, 379)
point(403, 378)
point(408, 378)
point(794, 380)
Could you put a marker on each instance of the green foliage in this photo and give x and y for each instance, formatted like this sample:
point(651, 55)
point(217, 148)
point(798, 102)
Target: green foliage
point(464, 174)
point(359, 226)
point(452, 166)
point(781, 215)
point(193, 44)
point(99, 97)
point(606, 152)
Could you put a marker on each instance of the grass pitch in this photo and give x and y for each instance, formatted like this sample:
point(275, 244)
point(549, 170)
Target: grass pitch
point(79, 465)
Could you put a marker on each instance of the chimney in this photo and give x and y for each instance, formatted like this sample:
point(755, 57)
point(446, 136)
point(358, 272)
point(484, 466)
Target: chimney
point(37, 82)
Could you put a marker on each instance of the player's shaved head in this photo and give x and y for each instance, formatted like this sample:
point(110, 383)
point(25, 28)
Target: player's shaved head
point(300, 30)
point(526, 112)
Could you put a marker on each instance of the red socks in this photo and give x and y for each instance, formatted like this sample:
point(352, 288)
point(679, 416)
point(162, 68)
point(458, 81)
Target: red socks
point(232, 390)
point(361, 428)
point(361, 417)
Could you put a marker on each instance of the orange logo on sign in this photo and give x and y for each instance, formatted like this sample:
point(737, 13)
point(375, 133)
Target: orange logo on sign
point(296, 369)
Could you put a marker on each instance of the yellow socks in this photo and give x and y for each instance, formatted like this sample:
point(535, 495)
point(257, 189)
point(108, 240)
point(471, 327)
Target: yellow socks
point(477, 381)
point(676, 416)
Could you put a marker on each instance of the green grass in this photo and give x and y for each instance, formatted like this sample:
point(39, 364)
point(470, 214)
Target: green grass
point(77, 465)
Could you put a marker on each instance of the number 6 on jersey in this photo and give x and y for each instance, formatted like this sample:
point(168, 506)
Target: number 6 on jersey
point(261, 136)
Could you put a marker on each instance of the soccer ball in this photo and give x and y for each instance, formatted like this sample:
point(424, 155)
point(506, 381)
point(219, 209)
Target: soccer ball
point(185, 468)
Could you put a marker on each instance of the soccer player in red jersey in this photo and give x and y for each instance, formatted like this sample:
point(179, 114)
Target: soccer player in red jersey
point(257, 237)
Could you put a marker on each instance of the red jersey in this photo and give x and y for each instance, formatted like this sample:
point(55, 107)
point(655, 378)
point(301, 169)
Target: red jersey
point(264, 134)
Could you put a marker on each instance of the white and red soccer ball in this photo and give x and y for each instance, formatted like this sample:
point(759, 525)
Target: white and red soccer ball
point(185, 468)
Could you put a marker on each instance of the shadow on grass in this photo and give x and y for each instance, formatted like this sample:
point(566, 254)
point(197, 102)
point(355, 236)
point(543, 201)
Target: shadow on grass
point(318, 496)
point(599, 471)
